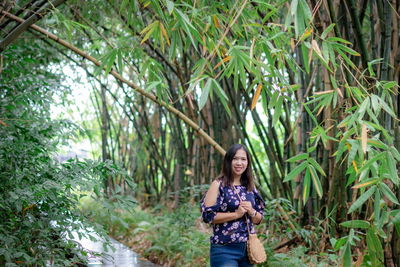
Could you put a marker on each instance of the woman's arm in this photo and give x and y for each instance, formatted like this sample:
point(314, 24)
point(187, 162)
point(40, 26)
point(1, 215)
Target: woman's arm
point(222, 217)
point(255, 216)
point(210, 200)
point(212, 194)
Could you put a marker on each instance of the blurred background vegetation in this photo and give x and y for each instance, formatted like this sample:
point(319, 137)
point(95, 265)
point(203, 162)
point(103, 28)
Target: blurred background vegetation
point(116, 114)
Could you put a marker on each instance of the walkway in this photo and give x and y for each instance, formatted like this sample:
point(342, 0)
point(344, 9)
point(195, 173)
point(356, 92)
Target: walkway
point(121, 257)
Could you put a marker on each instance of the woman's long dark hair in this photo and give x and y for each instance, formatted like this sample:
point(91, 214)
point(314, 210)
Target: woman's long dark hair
point(226, 176)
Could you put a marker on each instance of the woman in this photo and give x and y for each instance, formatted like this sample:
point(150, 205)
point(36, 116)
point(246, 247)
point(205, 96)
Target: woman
point(222, 207)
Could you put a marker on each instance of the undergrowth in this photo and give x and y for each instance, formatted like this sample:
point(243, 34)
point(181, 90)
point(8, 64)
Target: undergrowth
point(179, 238)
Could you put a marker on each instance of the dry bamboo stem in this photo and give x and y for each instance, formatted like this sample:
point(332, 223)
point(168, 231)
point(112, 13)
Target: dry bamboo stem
point(119, 77)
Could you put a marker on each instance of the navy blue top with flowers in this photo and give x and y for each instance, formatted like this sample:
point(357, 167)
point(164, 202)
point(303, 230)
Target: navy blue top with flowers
point(227, 201)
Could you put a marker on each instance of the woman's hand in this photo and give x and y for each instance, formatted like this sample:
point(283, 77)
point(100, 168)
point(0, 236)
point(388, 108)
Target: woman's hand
point(246, 205)
point(240, 212)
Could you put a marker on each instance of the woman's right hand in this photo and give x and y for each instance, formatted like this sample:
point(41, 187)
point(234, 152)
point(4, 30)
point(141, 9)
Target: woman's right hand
point(240, 212)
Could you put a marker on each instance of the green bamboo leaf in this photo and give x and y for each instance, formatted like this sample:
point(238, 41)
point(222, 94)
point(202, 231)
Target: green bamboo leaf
point(109, 61)
point(396, 215)
point(306, 186)
point(274, 98)
point(316, 181)
point(376, 143)
point(222, 97)
point(347, 256)
point(377, 206)
point(346, 58)
point(170, 6)
point(353, 151)
point(371, 161)
point(149, 30)
point(337, 39)
point(304, 53)
point(306, 9)
point(188, 27)
point(364, 106)
point(346, 49)
point(375, 103)
point(356, 224)
point(388, 193)
point(327, 30)
point(296, 171)
point(293, 7)
point(314, 119)
point(204, 94)
point(374, 245)
point(120, 58)
point(152, 85)
point(278, 110)
point(360, 201)
point(316, 166)
point(386, 107)
point(394, 177)
point(395, 152)
point(388, 85)
point(337, 244)
point(300, 156)
point(396, 220)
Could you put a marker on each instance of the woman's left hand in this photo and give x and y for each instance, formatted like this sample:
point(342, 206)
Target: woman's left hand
point(247, 206)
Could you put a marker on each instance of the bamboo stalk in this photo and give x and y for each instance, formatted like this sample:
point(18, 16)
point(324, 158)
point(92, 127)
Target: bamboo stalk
point(359, 35)
point(14, 34)
point(119, 77)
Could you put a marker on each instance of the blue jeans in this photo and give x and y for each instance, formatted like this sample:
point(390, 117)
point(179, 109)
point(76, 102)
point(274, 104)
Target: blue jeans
point(229, 255)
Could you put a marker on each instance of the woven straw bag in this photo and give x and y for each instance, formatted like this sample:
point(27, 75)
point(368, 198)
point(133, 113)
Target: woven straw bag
point(255, 249)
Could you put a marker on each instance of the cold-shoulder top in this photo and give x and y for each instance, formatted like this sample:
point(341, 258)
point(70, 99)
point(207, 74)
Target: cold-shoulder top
point(234, 231)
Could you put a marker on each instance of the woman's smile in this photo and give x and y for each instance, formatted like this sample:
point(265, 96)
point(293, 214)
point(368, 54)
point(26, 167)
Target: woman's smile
point(239, 162)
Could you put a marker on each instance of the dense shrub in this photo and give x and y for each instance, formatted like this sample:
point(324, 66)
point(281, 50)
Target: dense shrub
point(37, 198)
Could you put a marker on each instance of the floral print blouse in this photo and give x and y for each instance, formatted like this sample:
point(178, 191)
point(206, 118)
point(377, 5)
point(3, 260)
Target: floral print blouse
point(227, 201)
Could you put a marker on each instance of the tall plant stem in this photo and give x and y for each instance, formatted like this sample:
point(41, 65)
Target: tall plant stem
point(14, 34)
point(358, 33)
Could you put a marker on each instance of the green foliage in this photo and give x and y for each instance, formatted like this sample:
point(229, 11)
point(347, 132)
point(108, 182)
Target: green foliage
point(318, 102)
point(39, 194)
point(298, 257)
point(36, 197)
point(172, 236)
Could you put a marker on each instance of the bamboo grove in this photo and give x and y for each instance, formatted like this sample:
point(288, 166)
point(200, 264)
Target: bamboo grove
point(318, 79)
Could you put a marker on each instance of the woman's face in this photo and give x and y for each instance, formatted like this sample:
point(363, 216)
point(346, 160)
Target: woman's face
point(239, 162)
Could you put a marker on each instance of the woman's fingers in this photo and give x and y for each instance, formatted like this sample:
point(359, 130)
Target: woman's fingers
point(246, 204)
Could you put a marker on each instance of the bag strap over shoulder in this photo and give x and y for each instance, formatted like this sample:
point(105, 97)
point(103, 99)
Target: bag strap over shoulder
point(248, 228)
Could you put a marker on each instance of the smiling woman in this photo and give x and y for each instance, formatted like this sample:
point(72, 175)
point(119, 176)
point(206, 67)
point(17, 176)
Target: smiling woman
point(231, 197)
